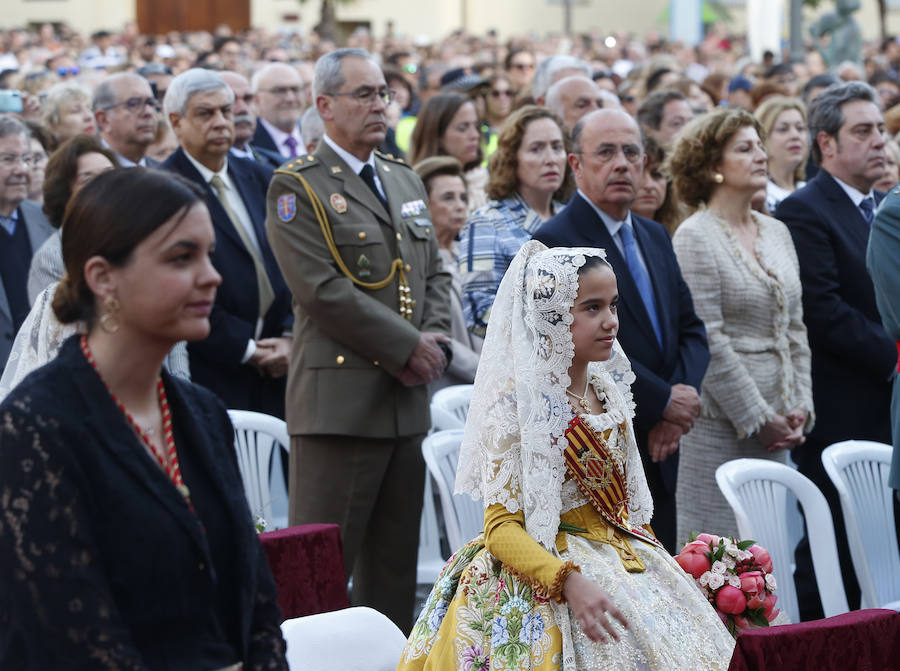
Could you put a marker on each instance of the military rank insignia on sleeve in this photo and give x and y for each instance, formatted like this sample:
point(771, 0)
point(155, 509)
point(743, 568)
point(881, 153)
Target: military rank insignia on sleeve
point(287, 207)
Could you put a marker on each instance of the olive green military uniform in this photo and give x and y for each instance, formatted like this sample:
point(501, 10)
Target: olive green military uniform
point(355, 430)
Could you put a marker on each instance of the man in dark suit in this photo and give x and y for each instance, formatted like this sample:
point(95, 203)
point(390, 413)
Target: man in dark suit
point(853, 359)
point(244, 359)
point(281, 96)
point(125, 110)
point(372, 309)
point(245, 124)
point(660, 332)
point(23, 229)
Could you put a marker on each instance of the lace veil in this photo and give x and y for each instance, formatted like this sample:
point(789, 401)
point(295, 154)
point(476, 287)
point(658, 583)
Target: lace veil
point(512, 450)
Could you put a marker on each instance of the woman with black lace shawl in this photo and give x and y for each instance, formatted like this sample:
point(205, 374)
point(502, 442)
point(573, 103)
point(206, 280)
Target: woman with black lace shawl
point(125, 537)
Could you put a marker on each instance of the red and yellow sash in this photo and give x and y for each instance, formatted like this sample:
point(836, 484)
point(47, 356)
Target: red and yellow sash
point(594, 470)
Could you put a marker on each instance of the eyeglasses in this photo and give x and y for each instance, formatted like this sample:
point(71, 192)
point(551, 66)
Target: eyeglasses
point(607, 152)
point(247, 98)
point(502, 94)
point(521, 66)
point(282, 91)
point(366, 95)
point(9, 160)
point(135, 105)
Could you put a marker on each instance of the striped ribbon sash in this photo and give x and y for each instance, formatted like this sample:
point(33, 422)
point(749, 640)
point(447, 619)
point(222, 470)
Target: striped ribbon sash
point(594, 470)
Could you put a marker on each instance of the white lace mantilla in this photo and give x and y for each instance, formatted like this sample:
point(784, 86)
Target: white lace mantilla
point(512, 450)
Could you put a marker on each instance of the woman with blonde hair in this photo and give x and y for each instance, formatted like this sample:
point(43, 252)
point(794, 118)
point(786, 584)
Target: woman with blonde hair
point(783, 122)
point(67, 112)
point(743, 274)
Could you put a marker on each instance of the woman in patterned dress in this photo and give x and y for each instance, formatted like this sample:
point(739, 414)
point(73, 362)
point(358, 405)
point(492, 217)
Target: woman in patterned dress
point(566, 574)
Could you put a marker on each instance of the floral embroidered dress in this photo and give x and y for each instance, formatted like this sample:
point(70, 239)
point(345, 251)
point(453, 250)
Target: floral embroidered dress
point(563, 493)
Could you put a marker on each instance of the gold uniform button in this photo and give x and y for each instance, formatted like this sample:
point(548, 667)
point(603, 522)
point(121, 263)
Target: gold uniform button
point(362, 235)
point(375, 363)
point(340, 359)
point(408, 267)
point(399, 237)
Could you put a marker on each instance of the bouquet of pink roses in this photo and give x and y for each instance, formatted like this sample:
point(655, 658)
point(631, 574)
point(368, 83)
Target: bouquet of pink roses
point(736, 576)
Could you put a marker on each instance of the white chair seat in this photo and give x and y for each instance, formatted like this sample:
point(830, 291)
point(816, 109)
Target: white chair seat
point(859, 470)
point(760, 493)
point(258, 439)
point(353, 639)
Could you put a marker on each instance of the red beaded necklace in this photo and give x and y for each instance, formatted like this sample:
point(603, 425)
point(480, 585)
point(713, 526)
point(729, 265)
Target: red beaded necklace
point(167, 460)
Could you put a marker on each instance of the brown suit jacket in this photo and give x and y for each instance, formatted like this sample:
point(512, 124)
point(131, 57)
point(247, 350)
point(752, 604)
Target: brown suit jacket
point(348, 340)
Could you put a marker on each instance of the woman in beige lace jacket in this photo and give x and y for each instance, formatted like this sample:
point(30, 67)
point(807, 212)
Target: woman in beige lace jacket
point(742, 270)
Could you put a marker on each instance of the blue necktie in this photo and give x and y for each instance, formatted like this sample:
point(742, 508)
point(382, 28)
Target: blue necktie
point(867, 207)
point(640, 277)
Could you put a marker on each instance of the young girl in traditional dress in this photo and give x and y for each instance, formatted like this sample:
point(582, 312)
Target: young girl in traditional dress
point(567, 574)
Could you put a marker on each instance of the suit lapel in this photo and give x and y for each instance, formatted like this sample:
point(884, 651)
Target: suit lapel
point(593, 233)
point(220, 218)
point(351, 184)
point(843, 211)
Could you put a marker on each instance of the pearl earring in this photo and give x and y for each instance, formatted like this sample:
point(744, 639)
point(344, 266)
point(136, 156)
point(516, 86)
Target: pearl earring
point(718, 178)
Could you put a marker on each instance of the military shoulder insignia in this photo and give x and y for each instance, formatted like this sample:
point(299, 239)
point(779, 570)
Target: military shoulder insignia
point(391, 158)
point(287, 207)
point(338, 203)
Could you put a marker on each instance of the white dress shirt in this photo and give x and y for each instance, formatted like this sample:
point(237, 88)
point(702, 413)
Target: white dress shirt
point(279, 137)
point(354, 163)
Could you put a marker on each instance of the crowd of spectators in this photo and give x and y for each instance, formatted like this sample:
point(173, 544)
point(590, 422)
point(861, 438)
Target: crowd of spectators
point(501, 132)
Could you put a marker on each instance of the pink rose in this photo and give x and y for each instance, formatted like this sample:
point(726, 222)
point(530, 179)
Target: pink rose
point(752, 583)
point(709, 539)
point(731, 600)
point(693, 560)
point(768, 605)
point(761, 555)
point(756, 601)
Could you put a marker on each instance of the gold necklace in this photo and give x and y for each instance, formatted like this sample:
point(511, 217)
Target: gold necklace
point(583, 401)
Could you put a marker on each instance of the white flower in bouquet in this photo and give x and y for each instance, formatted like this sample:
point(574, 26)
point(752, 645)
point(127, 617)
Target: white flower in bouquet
point(704, 579)
point(718, 567)
point(734, 581)
point(716, 580)
point(770, 582)
point(732, 549)
point(729, 562)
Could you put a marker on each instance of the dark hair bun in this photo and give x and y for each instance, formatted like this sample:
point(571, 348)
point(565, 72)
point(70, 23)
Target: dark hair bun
point(67, 305)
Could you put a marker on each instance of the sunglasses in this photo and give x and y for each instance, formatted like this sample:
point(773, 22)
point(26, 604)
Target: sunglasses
point(62, 72)
point(502, 94)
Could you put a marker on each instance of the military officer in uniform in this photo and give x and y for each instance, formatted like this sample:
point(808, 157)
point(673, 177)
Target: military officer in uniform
point(351, 231)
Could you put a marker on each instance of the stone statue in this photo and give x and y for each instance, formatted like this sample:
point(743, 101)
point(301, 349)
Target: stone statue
point(845, 38)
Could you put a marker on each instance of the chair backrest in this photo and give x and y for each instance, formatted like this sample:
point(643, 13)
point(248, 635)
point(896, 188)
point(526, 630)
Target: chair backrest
point(430, 559)
point(463, 517)
point(449, 407)
point(353, 639)
point(859, 470)
point(759, 492)
point(258, 439)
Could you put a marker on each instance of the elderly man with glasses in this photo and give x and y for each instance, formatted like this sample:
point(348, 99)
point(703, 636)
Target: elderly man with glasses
point(125, 110)
point(659, 330)
point(281, 95)
point(353, 236)
point(23, 229)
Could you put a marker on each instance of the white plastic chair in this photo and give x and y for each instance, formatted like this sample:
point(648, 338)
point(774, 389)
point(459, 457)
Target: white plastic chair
point(759, 492)
point(449, 407)
point(463, 517)
point(352, 639)
point(859, 470)
point(430, 560)
point(257, 441)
